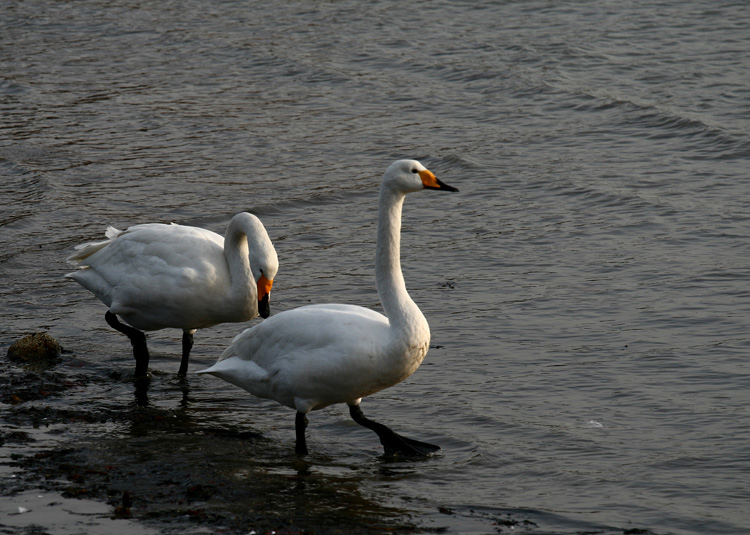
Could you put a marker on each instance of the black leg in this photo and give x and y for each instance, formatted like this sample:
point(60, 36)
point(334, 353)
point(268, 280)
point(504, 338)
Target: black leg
point(137, 340)
point(393, 444)
point(141, 391)
point(187, 345)
point(300, 423)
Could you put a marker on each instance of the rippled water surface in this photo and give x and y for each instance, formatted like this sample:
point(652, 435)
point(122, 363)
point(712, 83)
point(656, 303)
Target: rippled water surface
point(587, 289)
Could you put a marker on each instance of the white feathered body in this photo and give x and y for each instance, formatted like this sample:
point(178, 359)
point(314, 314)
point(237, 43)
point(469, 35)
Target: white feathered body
point(314, 356)
point(318, 355)
point(157, 276)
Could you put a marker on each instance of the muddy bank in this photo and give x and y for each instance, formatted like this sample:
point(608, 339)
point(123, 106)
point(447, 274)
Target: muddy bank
point(157, 466)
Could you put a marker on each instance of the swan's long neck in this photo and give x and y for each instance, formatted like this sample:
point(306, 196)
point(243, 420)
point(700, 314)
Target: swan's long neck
point(403, 314)
point(236, 251)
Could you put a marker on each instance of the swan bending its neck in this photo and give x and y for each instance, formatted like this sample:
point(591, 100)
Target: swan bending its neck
point(157, 276)
point(252, 264)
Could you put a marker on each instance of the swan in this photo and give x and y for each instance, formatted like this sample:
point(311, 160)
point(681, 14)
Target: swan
point(314, 356)
point(156, 276)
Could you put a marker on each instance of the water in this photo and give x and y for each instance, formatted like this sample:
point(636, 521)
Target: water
point(586, 289)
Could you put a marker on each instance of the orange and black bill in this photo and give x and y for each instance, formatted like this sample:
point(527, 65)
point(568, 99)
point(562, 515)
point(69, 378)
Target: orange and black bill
point(430, 181)
point(264, 296)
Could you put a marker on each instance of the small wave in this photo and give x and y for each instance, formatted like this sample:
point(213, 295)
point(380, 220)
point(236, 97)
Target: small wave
point(462, 161)
point(12, 88)
point(602, 196)
point(29, 158)
point(702, 133)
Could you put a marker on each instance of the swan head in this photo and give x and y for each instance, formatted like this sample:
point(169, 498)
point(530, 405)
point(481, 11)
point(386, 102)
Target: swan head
point(410, 175)
point(264, 267)
point(264, 264)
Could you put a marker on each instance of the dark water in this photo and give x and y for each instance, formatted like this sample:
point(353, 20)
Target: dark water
point(587, 289)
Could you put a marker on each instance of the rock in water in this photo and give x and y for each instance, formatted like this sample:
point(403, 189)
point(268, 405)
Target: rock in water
point(38, 349)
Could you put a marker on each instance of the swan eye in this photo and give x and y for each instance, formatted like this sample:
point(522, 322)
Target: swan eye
point(414, 171)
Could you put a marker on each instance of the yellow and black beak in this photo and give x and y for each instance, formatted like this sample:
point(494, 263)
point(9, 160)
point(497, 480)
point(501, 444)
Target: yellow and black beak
point(430, 181)
point(264, 295)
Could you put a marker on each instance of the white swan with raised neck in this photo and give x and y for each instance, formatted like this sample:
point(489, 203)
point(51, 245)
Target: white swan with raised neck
point(314, 356)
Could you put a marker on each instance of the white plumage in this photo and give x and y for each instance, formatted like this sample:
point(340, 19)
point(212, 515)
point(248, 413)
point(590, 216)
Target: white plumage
point(314, 356)
point(156, 276)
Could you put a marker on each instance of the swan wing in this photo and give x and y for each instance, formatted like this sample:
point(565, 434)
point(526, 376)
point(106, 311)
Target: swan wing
point(333, 327)
point(154, 267)
point(310, 357)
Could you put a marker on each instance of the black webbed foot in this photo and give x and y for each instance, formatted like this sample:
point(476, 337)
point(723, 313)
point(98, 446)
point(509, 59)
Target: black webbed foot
point(393, 443)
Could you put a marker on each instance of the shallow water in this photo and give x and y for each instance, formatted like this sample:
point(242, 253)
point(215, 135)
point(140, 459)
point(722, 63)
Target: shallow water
point(586, 289)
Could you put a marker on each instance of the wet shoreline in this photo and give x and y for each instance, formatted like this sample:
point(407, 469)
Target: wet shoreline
point(157, 467)
point(162, 488)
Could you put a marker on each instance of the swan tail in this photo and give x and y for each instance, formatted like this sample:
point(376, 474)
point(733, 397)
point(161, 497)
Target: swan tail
point(243, 373)
point(229, 352)
point(85, 250)
point(242, 344)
